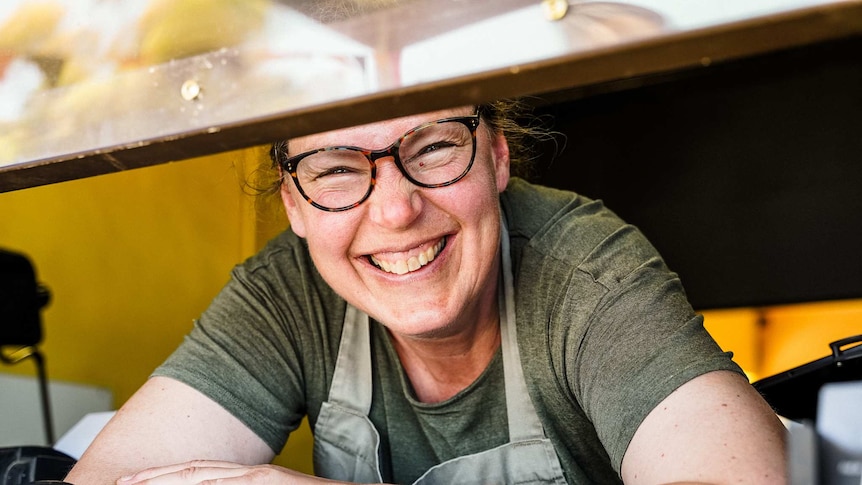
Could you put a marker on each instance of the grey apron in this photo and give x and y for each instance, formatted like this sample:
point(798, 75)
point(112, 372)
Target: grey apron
point(346, 442)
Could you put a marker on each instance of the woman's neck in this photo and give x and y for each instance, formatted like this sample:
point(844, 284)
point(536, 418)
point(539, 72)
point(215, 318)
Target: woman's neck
point(441, 367)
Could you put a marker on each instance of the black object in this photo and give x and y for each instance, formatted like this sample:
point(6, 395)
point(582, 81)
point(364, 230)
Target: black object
point(21, 299)
point(33, 465)
point(793, 393)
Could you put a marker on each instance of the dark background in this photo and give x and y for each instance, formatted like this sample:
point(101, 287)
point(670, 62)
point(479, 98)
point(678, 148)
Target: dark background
point(746, 175)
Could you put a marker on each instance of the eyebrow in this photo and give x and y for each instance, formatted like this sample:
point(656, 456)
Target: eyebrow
point(475, 110)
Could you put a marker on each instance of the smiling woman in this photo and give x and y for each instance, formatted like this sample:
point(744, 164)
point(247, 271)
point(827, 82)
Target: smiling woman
point(441, 321)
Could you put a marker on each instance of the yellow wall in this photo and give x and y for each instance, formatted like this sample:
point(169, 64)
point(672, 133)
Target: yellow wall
point(131, 259)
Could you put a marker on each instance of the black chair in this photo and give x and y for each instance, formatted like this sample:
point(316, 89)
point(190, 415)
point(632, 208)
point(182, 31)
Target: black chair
point(21, 299)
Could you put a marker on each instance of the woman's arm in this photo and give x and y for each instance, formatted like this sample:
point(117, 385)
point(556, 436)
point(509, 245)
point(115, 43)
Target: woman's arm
point(714, 429)
point(164, 423)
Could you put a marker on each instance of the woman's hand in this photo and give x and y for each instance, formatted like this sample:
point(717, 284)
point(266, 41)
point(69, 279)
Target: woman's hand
point(203, 472)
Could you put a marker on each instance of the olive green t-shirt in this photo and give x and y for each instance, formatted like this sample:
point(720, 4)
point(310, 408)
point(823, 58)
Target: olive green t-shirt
point(604, 329)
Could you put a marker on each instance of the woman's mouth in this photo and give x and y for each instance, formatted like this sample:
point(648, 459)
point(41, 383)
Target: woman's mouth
point(407, 262)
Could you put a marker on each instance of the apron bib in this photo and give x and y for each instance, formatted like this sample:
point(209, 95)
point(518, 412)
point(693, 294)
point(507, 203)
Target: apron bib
point(346, 444)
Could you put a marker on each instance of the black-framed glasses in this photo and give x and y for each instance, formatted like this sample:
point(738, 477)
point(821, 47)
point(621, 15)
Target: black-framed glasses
point(433, 154)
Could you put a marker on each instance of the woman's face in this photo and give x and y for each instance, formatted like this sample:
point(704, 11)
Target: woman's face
point(456, 229)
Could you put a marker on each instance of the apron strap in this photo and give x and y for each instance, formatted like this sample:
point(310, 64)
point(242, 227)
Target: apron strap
point(524, 423)
point(351, 382)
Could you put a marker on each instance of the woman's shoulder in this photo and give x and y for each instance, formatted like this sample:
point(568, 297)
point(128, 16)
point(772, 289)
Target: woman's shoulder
point(283, 255)
point(533, 210)
point(574, 230)
point(285, 245)
point(545, 215)
point(283, 269)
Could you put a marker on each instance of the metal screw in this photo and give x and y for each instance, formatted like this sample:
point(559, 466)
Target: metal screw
point(190, 90)
point(555, 9)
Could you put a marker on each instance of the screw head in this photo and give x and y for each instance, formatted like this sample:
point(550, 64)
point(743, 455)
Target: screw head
point(190, 90)
point(555, 9)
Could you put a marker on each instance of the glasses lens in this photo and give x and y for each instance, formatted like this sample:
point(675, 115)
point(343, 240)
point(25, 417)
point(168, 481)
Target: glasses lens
point(335, 178)
point(438, 153)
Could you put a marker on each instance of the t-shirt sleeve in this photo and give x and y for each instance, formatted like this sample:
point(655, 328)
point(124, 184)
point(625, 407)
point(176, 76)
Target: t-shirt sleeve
point(641, 342)
point(244, 350)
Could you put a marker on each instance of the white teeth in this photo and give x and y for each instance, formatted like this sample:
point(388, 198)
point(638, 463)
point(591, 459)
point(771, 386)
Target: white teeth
point(412, 263)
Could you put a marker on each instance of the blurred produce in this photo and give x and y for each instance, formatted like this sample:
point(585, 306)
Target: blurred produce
point(27, 29)
point(82, 75)
point(172, 29)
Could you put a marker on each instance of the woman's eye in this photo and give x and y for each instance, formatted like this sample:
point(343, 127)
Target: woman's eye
point(334, 171)
point(433, 147)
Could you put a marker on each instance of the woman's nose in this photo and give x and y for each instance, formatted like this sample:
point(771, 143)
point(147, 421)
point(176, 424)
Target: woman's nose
point(395, 202)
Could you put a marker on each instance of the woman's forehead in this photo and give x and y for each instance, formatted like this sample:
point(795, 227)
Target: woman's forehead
point(372, 135)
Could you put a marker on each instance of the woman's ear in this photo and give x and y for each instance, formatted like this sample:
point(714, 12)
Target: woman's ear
point(500, 153)
point(291, 207)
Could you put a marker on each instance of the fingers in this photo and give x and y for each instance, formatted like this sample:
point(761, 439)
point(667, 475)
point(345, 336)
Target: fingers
point(207, 472)
point(193, 472)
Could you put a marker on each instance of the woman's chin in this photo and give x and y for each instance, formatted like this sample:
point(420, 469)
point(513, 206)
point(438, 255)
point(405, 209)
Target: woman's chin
point(424, 325)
